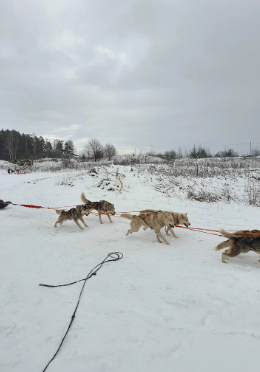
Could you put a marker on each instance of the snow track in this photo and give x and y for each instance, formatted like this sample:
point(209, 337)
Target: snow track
point(161, 308)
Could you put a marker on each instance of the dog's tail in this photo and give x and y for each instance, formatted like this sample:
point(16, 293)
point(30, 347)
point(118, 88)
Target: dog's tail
point(226, 243)
point(125, 215)
point(227, 234)
point(58, 211)
point(222, 245)
point(83, 198)
point(241, 234)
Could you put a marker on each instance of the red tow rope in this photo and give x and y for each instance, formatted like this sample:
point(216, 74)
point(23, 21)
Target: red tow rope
point(193, 229)
point(32, 206)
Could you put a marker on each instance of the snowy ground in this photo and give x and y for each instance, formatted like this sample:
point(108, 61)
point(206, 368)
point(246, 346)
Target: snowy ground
point(161, 308)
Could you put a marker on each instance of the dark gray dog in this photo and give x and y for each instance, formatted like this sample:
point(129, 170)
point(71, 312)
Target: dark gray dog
point(241, 241)
point(74, 214)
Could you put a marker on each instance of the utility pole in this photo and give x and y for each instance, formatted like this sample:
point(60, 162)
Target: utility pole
point(194, 151)
point(250, 149)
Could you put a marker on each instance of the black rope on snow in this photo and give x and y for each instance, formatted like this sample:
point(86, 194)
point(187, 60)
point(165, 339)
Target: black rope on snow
point(114, 256)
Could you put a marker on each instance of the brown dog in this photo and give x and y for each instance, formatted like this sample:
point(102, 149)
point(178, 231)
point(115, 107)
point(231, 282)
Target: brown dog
point(154, 220)
point(241, 241)
point(74, 214)
point(102, 207)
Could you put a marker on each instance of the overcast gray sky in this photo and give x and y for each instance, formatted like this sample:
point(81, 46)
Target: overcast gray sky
point(161, 73)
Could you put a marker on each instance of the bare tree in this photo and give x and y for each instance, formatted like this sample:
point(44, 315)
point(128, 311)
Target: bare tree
point(180, 154)
point(94, 149)
point(229, 153)
point(110, 151)
point(170, 155)
point(255, 152)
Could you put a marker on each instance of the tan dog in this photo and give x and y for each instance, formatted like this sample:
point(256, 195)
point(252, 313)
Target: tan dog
point(241, 241)
point(179, 219)
point(154, 220)
point(74, 214)
point(102, 207)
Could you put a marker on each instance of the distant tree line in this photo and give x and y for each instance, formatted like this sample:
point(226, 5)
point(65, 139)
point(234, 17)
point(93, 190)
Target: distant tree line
point(15, 146)
point(200, 152)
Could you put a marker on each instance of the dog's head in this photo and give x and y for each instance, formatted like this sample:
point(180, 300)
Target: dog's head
point(168, 219)
point(110, 209)
point(184, 220)
point(83, 209)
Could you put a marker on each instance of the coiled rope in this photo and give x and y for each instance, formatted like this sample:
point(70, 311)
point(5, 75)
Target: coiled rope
point(113, 256)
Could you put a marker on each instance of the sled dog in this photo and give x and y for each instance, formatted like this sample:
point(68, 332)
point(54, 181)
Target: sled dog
point(74, 214)
point(238, 242)
point(179, 219)
point(102, 206)
point(154, 220)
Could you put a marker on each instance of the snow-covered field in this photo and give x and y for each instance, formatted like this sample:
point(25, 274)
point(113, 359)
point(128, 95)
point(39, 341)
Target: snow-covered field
point(160, 308)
